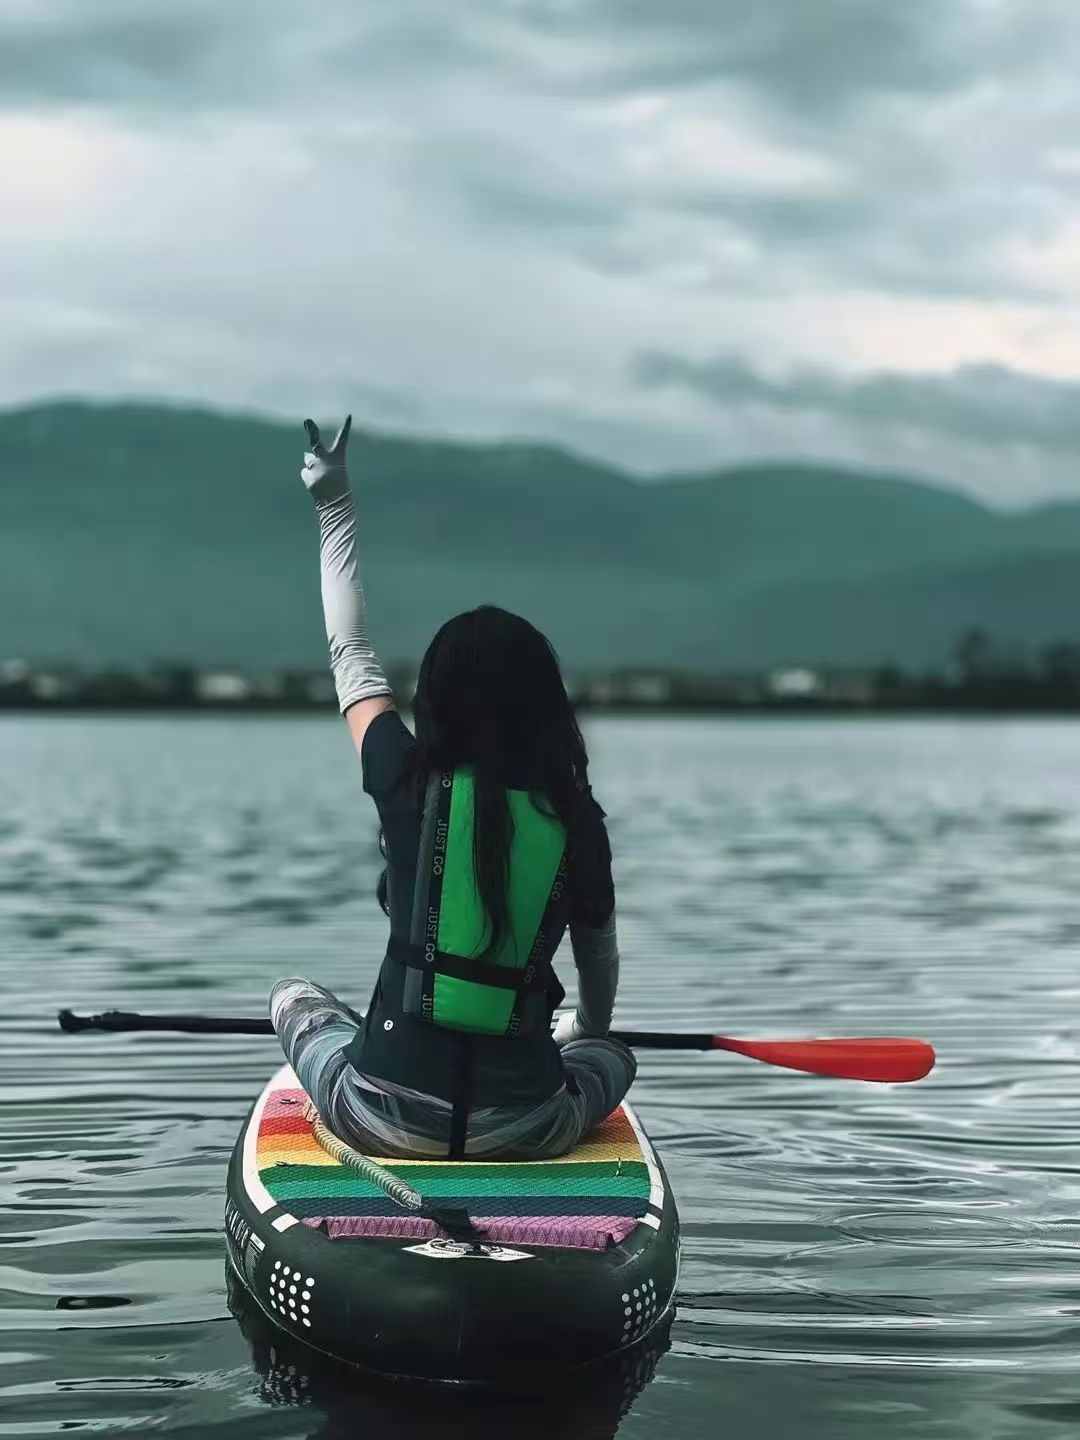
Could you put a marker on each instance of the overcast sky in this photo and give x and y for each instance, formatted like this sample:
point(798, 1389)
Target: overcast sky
point(672, 233)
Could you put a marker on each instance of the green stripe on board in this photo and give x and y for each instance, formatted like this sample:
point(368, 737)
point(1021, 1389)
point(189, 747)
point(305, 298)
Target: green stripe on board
point(287, 1181)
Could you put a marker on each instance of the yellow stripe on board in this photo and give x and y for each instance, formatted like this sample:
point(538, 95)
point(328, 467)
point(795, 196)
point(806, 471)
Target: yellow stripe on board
point(614, 1140)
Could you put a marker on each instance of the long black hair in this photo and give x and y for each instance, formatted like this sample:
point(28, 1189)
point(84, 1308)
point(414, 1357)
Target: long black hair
point(490, 695)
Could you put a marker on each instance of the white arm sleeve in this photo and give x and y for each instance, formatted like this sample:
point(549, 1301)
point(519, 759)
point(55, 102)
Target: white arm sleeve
point(596, 955)
point(357, 672)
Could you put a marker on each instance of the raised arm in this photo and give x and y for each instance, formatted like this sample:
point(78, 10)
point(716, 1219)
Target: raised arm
point(362, 688)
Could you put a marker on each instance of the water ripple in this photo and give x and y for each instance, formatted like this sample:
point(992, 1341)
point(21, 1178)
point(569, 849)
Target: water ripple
point(828, 877)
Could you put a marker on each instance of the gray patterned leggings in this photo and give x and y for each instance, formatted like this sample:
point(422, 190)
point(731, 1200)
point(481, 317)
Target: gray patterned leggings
point(381, 1119)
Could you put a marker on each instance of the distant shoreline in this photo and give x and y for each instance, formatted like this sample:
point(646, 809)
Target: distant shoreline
point(824, 709)
point(982, 679)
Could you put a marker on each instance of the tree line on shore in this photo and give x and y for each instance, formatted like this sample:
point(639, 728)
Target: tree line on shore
point(982, 675)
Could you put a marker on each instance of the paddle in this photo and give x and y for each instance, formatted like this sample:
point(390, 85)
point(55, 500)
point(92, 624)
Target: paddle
point(884, 1059)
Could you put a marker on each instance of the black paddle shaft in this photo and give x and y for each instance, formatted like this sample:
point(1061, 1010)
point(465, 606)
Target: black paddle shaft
point(663, 1040)
point(118, 1020)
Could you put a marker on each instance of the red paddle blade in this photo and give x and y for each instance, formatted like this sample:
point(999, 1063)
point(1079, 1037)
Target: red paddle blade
point(884, 1059)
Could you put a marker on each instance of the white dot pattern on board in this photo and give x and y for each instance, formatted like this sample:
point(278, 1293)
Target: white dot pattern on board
point(283, 1294)
point(640, 1312)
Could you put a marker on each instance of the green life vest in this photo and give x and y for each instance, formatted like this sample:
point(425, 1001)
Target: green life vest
point(452, 980)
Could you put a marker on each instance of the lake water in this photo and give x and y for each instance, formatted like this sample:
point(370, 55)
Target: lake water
point(857, 1260)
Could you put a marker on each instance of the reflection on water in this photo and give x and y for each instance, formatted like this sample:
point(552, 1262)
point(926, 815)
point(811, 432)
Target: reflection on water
point(856, 1259)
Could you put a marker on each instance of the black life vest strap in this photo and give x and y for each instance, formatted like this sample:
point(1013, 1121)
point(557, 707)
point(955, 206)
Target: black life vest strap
point(465, 967)
point(463, 1091)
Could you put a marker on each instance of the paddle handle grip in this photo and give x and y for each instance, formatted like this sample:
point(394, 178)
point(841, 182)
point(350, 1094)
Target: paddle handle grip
point(117, 1020)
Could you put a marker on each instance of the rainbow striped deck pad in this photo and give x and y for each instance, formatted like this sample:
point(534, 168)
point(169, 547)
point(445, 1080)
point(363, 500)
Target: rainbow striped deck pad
point(590, 1199)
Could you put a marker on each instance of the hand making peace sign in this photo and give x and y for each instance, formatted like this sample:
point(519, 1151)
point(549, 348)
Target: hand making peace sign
point(324, 471)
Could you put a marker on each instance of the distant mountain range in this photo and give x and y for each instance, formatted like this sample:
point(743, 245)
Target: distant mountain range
point(131, 533)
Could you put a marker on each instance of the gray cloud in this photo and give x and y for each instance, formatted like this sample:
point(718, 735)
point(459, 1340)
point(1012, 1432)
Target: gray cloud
point(813, 61)
point(983, 404)
point(466, 218)
point(822, 56)
point(117, 52)
point(204, 55)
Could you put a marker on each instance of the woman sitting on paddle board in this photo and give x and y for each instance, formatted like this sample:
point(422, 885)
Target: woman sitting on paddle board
point(494, 847)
